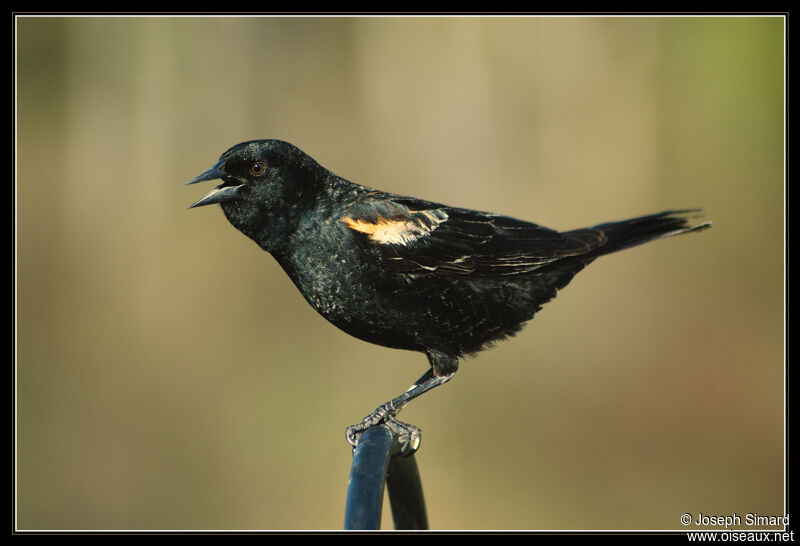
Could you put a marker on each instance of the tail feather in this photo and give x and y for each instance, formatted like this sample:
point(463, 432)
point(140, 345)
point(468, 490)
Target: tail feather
point(636, 231)
point(543, 285)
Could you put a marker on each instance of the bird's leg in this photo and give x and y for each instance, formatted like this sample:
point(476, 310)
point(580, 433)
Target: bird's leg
point(442, 369)
point(408, 435)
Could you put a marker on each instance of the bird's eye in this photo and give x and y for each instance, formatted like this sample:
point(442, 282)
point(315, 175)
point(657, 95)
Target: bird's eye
point(258, 168)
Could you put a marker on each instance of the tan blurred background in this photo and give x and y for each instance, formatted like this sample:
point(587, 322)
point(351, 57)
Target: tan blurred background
point(169, 375)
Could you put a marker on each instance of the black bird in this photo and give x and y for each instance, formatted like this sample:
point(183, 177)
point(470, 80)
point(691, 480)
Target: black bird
point(402, 272)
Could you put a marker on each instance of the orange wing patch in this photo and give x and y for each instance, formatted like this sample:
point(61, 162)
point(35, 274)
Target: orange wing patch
point(397, 231)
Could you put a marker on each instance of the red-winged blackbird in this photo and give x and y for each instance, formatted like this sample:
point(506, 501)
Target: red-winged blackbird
point(402, 272)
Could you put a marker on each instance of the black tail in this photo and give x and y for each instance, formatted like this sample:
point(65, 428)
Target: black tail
point(628, 233)
point(546, 281)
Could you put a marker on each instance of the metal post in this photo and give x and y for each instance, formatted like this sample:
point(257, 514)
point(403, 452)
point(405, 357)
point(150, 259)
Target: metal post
point(377, 461)
point(367, 475)
point(405, 494)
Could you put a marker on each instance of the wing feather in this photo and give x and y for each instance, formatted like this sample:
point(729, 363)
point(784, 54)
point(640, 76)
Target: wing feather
point(415, 236)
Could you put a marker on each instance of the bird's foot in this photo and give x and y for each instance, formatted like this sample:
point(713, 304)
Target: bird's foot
point(406, 435)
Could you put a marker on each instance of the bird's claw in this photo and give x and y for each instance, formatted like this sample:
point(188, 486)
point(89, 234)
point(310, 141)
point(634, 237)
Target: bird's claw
point(408, 437)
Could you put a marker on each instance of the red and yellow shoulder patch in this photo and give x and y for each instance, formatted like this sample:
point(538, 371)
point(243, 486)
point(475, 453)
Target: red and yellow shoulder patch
point(400, 230)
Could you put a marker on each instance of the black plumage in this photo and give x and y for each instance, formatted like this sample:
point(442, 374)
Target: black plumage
point(403, 272)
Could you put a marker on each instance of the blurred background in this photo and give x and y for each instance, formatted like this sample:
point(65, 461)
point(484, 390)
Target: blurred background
point(170, 376)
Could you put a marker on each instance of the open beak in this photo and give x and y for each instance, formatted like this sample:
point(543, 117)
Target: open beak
point(221, 193)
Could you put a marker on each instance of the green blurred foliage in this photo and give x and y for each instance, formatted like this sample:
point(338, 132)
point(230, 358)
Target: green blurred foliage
point(170, 377)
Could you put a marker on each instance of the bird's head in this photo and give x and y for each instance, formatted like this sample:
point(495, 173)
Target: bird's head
point(265, 185)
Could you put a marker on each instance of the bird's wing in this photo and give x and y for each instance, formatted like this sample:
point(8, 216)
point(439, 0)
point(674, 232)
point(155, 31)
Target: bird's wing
point(415, 236)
